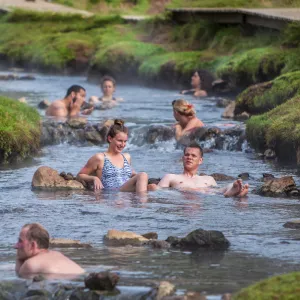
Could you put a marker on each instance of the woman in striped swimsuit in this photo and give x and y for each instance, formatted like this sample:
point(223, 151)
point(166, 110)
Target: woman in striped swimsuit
point(112, 169)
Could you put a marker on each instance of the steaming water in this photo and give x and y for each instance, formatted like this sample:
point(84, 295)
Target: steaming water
point(260, 245)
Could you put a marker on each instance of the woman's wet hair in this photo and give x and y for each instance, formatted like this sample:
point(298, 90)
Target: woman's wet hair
point(107, 78)
point(117, 127)
point(183, 107)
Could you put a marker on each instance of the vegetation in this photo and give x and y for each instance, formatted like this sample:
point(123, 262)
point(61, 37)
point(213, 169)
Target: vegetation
point(283, 287)
point(264, 97)
point(19, 130)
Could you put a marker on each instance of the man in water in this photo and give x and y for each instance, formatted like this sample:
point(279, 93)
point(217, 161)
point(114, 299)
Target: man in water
point(34, 256)
point(189, 180)
point(69, 106)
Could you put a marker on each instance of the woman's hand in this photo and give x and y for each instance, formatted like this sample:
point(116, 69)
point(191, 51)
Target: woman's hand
point(98, 184)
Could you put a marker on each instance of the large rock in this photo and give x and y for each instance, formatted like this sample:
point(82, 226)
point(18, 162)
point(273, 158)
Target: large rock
point(200, 239)
point(67, 243)
point(229, 111)
point(48, 178)
point(221, 177)
point(162, 291)
point(277, 187)
point(122, 238)
point(292, 224)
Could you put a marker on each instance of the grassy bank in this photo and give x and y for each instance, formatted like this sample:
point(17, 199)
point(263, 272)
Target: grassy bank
point(283, 287)
point(19, 130)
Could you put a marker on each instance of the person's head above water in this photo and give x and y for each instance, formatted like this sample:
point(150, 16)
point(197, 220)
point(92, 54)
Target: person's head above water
point(192, 157)
point(108, 85)
point(195, 146)
point(196, 79)
point(115, 129)
point(183, 108)
point(75, 89)
point(32, 239)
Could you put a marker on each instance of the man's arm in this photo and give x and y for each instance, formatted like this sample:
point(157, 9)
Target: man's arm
point(165, 182)
point(19, 264)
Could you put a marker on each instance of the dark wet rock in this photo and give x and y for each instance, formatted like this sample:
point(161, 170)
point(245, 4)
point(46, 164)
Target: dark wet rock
point(220, 86)
point(26, 77)
point(44, 104)
point(102, 281)
point(154, 180)
point(267, 176)
point(223, 102)
point(194, 296)
point(38, 278)
point(159, 244)
point(242, 117)
point(94, 137)
point(229, 111)
point(123, 238)
point(16, 77)
point(150, 235)
point(67, 243)
point(48, 178)
point(77, 122)
point(80, 294)
point(244, 176)
point(221, 177)
point(292, 224)
point(200, 239)
point(277, 187)
point(41, 293)
point(270, 154)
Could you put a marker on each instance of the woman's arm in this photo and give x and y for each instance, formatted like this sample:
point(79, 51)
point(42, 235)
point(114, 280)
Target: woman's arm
point(94, 165)
point(128, 158)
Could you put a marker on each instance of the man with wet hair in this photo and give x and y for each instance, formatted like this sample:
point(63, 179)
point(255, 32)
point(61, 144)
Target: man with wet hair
point(71, 104)
point(34, 256)
point(189, 180)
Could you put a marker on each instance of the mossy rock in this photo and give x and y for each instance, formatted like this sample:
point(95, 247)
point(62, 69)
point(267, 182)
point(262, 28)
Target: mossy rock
point(19, 130)
point(278, 129)
point(283, 287)
point(253, 66)
point(263, 97)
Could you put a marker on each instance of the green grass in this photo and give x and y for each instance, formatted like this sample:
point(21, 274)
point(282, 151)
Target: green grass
point(19, 129)
point(283, 287)
point(264, 97)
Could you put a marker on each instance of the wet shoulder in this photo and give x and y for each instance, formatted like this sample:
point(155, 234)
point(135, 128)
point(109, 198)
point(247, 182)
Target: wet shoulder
point(128, 157)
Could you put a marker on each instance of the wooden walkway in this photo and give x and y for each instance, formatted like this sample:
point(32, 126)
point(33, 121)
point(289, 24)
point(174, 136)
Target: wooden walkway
point(275, 18)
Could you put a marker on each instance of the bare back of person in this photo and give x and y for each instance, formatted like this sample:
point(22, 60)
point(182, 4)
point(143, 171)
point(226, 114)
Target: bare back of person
point(50, 262)
point(57, 108)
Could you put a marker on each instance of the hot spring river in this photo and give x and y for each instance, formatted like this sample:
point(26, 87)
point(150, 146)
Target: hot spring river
point(260, 245)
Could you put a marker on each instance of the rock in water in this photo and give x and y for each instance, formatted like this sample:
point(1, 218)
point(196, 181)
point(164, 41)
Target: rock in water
point(200, 238)
point(67, 243)
point(48, 178)
point(123, 238)
point(102, 281)
point(292, 224)
point(275, 187)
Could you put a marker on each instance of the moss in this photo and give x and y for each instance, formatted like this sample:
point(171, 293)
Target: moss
point(283, 287)
point(19, 129)
point(253, 66)
point(264, 97)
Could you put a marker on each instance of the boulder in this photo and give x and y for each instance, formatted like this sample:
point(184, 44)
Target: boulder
point(77, 122)
point(292, 224)
point(44, 104)
point(221, 177)
point(48, 178)
point(93, 136)
point(162, 291)
point(244, 176)
point(123, 238)
point(229, 111)
point(102, 281)
point(277, 187)
point(67, 243)
point(200, 239)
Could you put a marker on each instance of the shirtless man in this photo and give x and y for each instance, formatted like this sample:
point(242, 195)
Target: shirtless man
point(189, 180)
point(70, 105)
point(34, 257)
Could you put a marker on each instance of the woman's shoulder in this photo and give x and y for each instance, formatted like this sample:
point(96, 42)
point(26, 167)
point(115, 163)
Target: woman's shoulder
point(98, 156)
point(127, 156)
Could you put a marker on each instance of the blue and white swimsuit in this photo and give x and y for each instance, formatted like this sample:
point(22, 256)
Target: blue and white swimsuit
point(114, 177)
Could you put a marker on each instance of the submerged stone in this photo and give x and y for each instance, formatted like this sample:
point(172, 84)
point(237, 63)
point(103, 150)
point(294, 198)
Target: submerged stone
point(150, 235)
point(221, 177)
point(123, 238)
point(102, 281)
point(292, 224)
point(275, 187)
point(67, 243)
point(200, 239)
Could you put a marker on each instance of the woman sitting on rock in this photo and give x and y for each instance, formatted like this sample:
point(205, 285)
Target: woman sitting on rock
point(185, 114)
point(196, 86)
point(112, 169)
point(108, 87)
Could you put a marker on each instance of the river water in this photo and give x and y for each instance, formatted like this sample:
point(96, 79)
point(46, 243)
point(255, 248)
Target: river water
point(260, 245)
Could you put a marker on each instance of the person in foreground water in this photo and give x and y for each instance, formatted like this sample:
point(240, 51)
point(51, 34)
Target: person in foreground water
point(70, 105)
point(112, 169)
point(185, 114)
point(189, 180)
point(34, 256)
